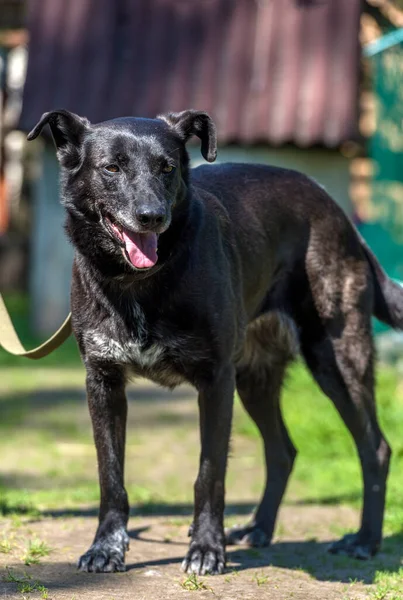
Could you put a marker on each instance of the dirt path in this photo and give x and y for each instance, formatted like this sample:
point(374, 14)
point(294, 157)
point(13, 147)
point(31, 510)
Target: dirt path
point(296, 566)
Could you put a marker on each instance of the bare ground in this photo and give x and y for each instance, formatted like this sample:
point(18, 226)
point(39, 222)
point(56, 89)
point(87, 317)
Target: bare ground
point(296, 566)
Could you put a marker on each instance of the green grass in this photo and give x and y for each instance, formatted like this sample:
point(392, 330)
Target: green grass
point(327, 469)
point(388, 586)
point(44, 414)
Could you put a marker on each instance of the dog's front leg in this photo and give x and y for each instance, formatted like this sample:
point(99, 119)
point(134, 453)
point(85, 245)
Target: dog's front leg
point(108, 409)
point(207, 547)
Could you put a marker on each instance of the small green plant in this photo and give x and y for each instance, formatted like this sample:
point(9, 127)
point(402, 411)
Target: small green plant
point(10, 577)
point(26, 587)
point(193, 584)
point(25, 584)
point(30, 560)
point(261, 579)
point(34, 587)
point(36, 550)
point(5, 546)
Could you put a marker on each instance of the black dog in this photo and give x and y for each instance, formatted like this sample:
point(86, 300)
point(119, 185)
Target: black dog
point(216, 276)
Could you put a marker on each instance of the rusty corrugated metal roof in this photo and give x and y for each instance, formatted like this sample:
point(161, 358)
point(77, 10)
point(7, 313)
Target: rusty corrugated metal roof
point(271, 71)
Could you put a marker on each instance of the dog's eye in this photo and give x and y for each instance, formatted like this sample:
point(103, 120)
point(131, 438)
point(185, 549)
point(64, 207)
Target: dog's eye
point(111, 168)
point(167, 169)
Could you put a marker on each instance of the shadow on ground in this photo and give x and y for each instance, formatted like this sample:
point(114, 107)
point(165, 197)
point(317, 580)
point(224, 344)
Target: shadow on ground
point(332, 500)
point(146, 509)
point(312, 556)
point(157, 509)
point(308, 556)
point(35, 409)
point(47, 398)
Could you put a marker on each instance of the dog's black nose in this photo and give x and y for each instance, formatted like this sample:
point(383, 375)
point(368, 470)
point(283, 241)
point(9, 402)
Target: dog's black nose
point(150, 217)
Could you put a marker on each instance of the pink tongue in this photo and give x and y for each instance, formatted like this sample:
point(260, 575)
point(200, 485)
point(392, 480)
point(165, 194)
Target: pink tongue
point(141, 248)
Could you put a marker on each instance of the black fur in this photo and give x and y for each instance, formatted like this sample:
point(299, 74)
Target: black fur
point(253, 264)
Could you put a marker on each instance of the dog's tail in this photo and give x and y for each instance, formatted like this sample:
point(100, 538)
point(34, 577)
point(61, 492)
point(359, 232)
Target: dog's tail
point(388, 306)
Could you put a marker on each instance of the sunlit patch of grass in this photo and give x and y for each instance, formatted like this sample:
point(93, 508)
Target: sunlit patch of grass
point(260, 578)
point(327, 469)
point(36, 550)
point(388, 586)
point(5, 546)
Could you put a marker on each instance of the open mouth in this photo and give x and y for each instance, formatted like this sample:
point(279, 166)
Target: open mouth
point(139, 249)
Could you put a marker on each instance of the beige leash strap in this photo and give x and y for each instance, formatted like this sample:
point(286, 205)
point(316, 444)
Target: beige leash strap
point(10, 341)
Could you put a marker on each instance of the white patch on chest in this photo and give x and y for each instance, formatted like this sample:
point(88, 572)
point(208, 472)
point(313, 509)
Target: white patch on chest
point(129, 352)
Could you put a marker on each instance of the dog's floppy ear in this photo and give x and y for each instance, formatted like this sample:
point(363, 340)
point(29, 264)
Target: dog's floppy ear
point(67, 130)
point(195, 122)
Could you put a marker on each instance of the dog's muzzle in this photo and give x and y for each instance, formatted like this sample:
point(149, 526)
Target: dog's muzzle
point(139, 249)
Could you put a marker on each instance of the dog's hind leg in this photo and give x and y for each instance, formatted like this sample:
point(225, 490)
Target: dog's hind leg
point(270, 345)
point(341, 361)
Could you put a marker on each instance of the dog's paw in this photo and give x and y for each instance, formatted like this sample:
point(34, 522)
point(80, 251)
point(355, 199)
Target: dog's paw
point(247, 535)
point(204, 559)
point(106, 555)
point(352, 545)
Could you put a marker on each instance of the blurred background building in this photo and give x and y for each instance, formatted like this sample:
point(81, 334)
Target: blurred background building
point(285, 80)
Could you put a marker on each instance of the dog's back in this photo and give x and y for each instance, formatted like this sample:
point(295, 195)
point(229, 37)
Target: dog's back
point(287, 222)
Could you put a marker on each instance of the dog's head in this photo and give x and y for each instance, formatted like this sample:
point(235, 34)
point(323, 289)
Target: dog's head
point(123, 180)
